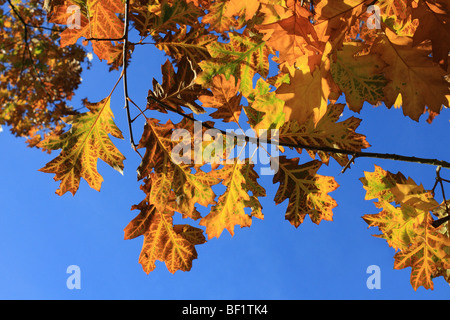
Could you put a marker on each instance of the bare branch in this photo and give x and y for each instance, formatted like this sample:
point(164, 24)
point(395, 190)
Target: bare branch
point(124, 73)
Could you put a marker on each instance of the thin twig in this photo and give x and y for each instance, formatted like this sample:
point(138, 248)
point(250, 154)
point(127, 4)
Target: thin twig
point(124, 72)
point(45, 28)
point(439, 180)
point(352, 160)
point(25, 36)
point(107, 39)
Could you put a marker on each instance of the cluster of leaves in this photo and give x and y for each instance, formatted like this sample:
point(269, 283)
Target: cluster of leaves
point(406, 224)
point(37, 76)
point(279, 64)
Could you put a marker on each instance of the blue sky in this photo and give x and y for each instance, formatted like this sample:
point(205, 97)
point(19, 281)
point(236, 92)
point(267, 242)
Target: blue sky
point(41, 234)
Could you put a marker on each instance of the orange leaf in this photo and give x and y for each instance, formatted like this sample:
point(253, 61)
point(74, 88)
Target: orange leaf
point(224, 99)
point(408, 226)
point(426, 255)
point(313, 88)
point(413, 74)
point(162, 241)
point(101, 22)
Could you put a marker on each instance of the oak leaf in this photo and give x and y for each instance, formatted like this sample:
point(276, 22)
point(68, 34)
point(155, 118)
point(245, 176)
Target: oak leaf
point(87, 141)
point(243, 57)
point(265, 110)
point(434, 25)
point(225, 99)
point(292, 34)
point(315, 90)
point(360, 77)
point(218, 19)
point(413, 74)
point(101, 21)
point(178, 88)
point(176, 173)
point(306, 190)
point(239, 179)
point(174, 245)
point(405, 223)
point(327, 133)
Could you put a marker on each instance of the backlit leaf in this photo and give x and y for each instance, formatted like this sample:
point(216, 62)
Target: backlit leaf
point(87, 141)
point(306, 190)
point(239, 179)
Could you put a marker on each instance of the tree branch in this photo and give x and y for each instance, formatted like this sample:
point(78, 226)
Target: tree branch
point(354, 154)
point(124, 72)
point(437, 223)
point(108, 39)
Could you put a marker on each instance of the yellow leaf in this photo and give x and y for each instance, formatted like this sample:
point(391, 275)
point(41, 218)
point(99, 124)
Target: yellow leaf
point(81, 147)
point(426, 255)
point(359, 77)
point(237, 7)
point(327, 133)
point(189, 187)
point(239, 178)
point(408, 226)
point(100, 21)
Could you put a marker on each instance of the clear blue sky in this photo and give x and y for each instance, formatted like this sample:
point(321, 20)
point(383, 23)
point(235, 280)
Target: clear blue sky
point(41, 234)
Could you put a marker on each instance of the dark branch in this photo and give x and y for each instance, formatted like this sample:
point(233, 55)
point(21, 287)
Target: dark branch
point(110, 39)
point(439, 180)
point(439, 222)
point(125, 80)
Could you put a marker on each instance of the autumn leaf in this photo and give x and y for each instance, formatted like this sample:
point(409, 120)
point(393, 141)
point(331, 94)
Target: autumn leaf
point(101, 22)
point(337, 17)
point(218, 20)
point(243, 57)
point(172, 170)
point(284, 62)
point(292, 35)
point(426, 256)
point(413, 74)
point(306, 190)
point(265, 110)
point(163, 17)
point(239, 179)
point(87, 141)
point(360, 77)
point(397, 14)
point(174, 245)
point(247, 8)
point(301, 37)
point(434, 25)
point(405, 223)
point(315, 89)
point(379, 184)
point(225, 99)
point(178, 88)
point(192, 44)
point(327, 133)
